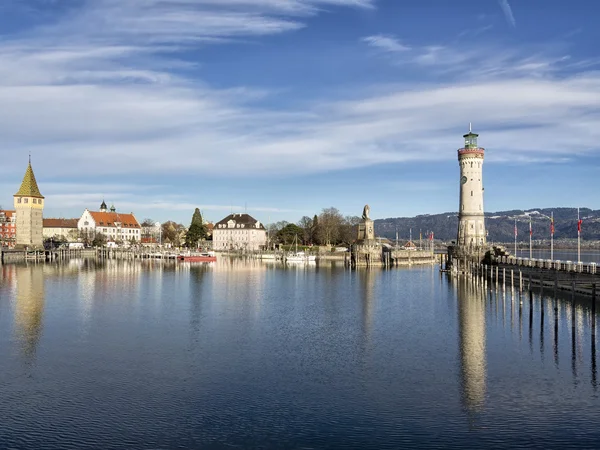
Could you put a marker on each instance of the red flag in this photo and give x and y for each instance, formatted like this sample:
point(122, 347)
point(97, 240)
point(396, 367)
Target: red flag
point(515, 229)
point(552, 225)
point(579, 226)
point(530, 230)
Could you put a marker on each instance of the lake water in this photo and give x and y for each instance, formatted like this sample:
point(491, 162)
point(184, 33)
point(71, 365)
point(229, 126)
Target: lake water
point(245, 354)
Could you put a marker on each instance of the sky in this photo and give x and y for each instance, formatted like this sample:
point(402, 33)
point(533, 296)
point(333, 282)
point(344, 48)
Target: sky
point(280, 108)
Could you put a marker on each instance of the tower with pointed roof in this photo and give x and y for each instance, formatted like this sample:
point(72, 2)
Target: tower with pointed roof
point(103, 206)
point(29, 207)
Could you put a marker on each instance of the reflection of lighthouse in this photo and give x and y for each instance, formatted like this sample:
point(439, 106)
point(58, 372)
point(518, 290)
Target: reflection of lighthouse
point(29, 308)
point(471, 321)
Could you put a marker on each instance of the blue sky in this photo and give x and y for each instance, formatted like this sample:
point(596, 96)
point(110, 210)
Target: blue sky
point(285, 107)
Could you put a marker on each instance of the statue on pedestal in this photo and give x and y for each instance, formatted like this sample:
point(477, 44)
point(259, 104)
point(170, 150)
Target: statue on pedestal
point(366, 211)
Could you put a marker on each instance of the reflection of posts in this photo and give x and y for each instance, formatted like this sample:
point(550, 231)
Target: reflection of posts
point(471, 314)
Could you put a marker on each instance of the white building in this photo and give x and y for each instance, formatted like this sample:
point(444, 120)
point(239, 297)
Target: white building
point(471, 224)
point(239, 232)
point(61, 229)
point(115, 226)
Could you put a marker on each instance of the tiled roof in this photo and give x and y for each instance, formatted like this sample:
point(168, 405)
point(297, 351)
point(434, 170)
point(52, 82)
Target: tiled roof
point(108, 219)
point(240, 219)
point(7, 213)
point(29, 187)
point(60, 223)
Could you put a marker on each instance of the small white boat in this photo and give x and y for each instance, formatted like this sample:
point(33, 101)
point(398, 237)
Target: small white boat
point(299, 257)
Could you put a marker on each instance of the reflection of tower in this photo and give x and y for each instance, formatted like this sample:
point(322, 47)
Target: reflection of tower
point(471, 226)
point(29, 308)
point(471, 322)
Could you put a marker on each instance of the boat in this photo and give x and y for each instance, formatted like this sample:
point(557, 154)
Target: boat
point(299, 257)
point(198, 257)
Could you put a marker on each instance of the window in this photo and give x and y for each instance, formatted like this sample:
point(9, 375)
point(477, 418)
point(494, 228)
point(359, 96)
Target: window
point(471, 193)
point(25, 200)
point(35, 200)
point(19, 200)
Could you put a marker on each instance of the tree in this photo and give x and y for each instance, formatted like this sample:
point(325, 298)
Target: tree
point(196, 231)
point(306, 224)
point(330, 221)
point(99, 240)
point(171, 232)
point(349, 230)
point(288, 234)
point(148, 222)
point(314, 230)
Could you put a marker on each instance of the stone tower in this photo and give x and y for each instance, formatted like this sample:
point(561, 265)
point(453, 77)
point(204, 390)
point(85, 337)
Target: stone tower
point(29, 205)
point(471, 224)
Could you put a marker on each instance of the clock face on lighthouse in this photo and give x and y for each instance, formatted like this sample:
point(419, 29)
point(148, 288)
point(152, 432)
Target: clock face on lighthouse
point(463, 180)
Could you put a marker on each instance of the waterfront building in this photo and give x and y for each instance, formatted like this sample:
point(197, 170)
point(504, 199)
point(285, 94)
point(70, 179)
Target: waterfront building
point(239, 232)
point(7, 228)
point(29, 206)
point(114, 225)
point(61, 229)
point(471, 224)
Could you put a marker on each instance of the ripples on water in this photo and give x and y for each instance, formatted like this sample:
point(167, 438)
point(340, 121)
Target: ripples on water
point(244, 354)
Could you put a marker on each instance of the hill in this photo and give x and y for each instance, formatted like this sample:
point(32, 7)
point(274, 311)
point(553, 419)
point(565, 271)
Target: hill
point(500, 225)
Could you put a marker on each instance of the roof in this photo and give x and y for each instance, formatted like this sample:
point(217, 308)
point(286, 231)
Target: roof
point(60, 223)
point(7, 212)
point(240, 219)
point(29, 187)
point(102, 205)
point(108, 219)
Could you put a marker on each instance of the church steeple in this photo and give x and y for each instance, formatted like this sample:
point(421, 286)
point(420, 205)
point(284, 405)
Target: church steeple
point(103, 206)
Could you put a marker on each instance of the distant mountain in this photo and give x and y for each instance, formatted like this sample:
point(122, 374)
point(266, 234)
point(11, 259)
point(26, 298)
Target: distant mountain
point(500, 225)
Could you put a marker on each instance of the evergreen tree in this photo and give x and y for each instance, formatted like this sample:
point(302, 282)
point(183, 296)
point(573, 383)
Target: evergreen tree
point(314, 231)
point(196, 231)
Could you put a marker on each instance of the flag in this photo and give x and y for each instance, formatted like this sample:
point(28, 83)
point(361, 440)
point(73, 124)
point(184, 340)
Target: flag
point(552, 225)
point(431, 236)
point(515, 228)
point(530, 229)
point(579, 226)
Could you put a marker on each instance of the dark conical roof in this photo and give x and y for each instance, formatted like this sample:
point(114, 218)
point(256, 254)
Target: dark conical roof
point(29, 187)
point(102, 205)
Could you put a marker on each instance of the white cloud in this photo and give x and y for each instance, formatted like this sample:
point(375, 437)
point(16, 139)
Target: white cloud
point(386, 43)
point(507, 10)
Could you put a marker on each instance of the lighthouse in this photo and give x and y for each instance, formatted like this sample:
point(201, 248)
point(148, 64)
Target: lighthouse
point(471, 225)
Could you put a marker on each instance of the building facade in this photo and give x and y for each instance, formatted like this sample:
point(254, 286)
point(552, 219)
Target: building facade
point(61, 229)
point(471, 223)
point(239, 232)
point(29, 207)
point(112, 224)
point(8, 228)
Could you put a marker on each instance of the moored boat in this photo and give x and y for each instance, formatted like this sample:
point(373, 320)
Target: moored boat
point(198, 257)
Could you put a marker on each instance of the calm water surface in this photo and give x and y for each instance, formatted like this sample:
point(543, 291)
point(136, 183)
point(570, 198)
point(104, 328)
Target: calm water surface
point(145, 355)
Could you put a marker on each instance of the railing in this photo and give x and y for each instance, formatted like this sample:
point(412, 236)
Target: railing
point(564, 266)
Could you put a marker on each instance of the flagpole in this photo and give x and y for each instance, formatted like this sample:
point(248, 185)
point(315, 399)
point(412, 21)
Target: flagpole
point(515, 238)
point(530, 233)
point(578, 237)
point(552, 237)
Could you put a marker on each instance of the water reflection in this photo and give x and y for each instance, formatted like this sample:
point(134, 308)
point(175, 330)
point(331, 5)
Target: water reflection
point(472, 323)
point(29, 308)
point(366, 279)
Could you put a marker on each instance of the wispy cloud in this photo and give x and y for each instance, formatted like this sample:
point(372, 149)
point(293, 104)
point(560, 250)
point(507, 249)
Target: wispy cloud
point(507, 10)
point(386, 43)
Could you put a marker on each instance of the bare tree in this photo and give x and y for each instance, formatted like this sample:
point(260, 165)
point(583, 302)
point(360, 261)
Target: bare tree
point(330, 221)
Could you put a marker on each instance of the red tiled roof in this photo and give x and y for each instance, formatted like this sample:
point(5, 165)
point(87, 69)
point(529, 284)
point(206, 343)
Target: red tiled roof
point(108, 219)
point(8, 213)
point(60, 223)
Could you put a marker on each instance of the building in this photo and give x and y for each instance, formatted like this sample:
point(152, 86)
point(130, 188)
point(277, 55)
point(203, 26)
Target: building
point(239, 232)
point(471, 224)
point(29, 207)
point(112, 224)
point(61, 229)
point(7, 228)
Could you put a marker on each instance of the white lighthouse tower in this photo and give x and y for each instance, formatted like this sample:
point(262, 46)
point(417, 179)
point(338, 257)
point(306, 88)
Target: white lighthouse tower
point(471, 225)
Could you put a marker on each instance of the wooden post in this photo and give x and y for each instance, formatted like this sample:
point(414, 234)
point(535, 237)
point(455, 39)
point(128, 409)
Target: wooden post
point(512, 279)
point(593, 311)
point(520, 280)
